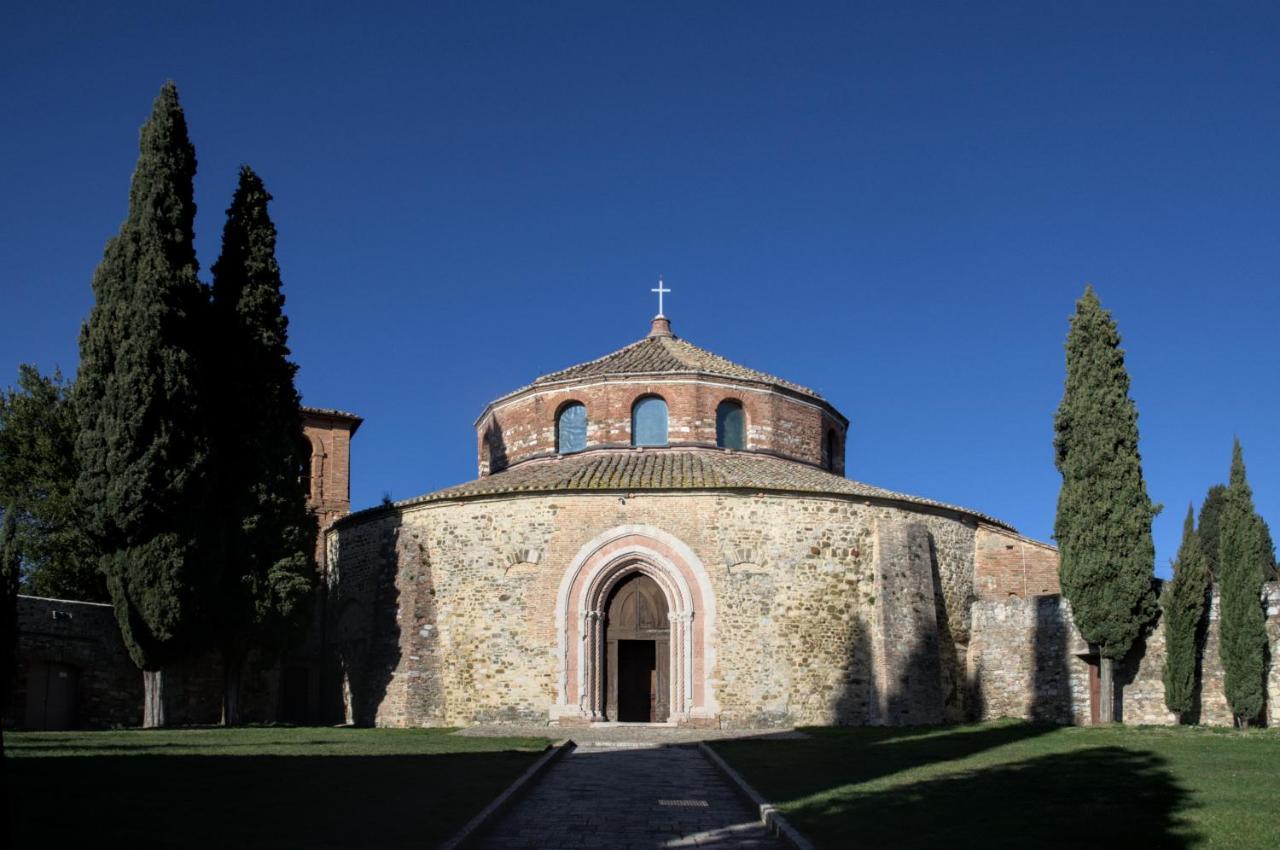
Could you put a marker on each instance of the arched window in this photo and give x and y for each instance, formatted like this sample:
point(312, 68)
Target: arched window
point(313, 469)
point(571, 428)
point(731, 425)
point(830, 448)
point(494, 449)
point(649, 422)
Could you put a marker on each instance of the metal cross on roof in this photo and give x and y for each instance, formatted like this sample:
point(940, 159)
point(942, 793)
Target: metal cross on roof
point(660, 290)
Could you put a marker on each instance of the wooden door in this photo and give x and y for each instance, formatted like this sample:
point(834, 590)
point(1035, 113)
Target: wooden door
point(637, 652)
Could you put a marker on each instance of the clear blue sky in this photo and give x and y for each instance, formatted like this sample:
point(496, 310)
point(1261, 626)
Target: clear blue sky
point(895, 203)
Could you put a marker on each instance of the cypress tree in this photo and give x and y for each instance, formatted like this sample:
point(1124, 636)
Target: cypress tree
point(145, 478)
point(269, 570)
point(1103, 523)
point(1210, 518)
point(1183, 602)
point(1245, 559)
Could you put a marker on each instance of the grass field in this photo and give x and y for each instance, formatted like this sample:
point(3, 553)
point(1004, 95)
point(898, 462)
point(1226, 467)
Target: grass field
point(1017, 785)
point(256, 787)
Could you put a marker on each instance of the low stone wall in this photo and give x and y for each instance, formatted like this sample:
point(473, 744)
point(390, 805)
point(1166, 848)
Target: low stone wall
point(72, 671)
point(1026, 659)
point(78, 640)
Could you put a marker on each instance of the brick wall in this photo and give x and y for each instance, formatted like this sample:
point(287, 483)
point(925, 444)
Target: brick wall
point(778, 422)
point(330, 438)
point(1008, 564)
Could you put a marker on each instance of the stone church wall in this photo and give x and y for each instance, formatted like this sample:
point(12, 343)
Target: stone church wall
point(447, 610)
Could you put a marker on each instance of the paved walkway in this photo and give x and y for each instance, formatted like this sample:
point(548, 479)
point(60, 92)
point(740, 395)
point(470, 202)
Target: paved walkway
point(628, 733)
point(621, 797)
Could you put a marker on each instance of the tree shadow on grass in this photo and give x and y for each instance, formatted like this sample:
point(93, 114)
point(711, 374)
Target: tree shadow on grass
point(196, 802)
point(1102, 796)
point(833, 757)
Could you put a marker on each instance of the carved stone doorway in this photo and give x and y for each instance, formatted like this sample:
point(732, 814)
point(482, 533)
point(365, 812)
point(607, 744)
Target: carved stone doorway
point(637, 635)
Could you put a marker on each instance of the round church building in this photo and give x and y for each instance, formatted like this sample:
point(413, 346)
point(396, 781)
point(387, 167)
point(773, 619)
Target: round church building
point(659, 535)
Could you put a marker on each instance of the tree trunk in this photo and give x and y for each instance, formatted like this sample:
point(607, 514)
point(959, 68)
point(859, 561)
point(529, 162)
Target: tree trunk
point(232, 676)
point(1106, 690)
point(153, 699)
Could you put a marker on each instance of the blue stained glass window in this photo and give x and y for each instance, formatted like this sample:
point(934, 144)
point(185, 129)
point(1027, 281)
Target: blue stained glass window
point(649, 422)
point(731, 426)
point(571, 428)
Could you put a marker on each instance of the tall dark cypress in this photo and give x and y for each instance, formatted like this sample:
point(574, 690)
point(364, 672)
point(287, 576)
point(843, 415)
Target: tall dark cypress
point(145, 481)
point(1207, 531)
point(1183, 602)
point(269, 533)
point(1245, 560)
point(1103, 524)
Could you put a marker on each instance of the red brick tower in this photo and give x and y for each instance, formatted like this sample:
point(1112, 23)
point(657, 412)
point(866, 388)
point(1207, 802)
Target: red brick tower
point(329, 479)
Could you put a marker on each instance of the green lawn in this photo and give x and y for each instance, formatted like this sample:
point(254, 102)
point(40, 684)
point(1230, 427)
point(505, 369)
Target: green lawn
point(258, 787)
point(1018, 785)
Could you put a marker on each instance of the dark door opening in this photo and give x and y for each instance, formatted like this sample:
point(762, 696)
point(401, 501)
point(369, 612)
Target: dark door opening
point(637, 680)
point(295, 695)
point(637, 656)
point(1095, 689)
point(51, 696)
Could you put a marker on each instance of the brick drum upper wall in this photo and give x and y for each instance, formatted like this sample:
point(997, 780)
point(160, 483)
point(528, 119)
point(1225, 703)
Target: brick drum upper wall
point(778, 422)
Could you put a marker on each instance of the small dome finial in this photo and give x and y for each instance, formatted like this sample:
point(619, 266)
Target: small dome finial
point(661, 326)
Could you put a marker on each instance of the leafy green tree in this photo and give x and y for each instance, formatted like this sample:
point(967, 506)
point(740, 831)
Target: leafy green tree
point(10, 564)
point(146, 482)
point(9, 567)
point(1210, 519)
point(38, 473)
point(1103, 524)
point(1183, 602)
point(1245, 560)
point(269, 571)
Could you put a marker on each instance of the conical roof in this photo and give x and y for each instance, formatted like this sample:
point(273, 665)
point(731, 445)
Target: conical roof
point(664, 353)
point(688, 469)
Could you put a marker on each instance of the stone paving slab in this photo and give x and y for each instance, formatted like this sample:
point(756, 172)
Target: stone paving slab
point(657, 796)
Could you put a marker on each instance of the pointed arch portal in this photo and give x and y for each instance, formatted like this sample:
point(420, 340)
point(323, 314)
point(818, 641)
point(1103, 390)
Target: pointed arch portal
point(671, 582)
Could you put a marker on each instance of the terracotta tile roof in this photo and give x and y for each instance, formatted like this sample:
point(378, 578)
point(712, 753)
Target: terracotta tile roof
point(665, 355)
point(670, 469)
point(336, 414)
